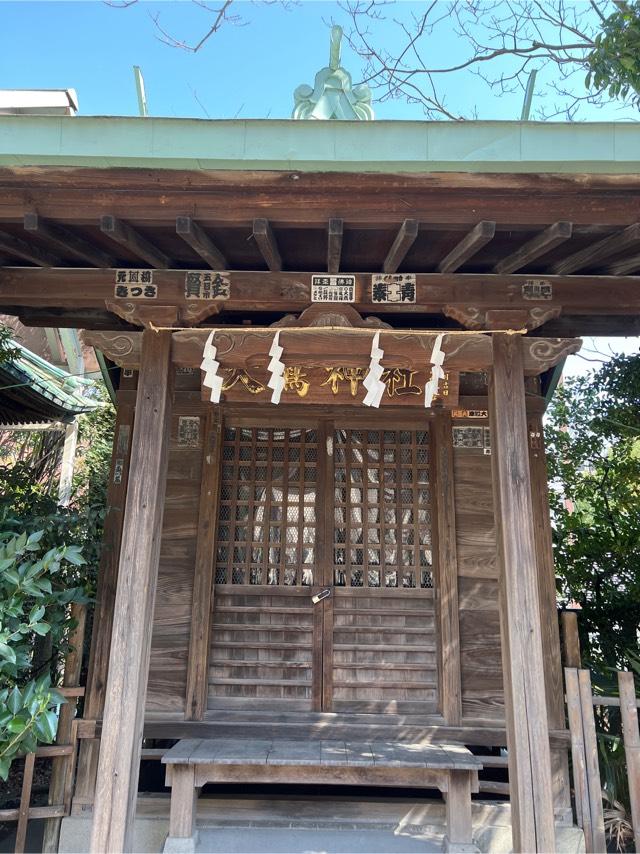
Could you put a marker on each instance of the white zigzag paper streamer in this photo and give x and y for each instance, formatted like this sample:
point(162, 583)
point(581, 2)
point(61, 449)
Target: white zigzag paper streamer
point(372, 382)
point(276, 369)
point(437, 372)
point(210, 366)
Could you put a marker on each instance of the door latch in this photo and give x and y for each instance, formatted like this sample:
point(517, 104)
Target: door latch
point(324, 594)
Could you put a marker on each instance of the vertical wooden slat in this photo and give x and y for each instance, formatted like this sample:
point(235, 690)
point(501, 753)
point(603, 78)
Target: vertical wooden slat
point(202, 605)
point(629, 711)
point(580, 785)
point(526, 708)
point(326, 536)
point(119, 764)
point(450, 691)
point(105, 599)
point(25, 799)
point(62, 766)
point(591, 760)
point(548, 609)
point(570, 639)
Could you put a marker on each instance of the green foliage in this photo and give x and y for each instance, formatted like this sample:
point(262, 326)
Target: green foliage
point(7, 350)
point(593, 439)
point(614, 63)
point(36, 587)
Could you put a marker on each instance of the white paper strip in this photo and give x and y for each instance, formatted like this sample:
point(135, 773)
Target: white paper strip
point(210, 366)
point(372, 382)
point(437, 372)
point(276, 369)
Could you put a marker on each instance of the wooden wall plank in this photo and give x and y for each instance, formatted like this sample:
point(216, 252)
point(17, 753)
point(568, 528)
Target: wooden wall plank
point(527, 729)
point(119, 764)
point(629, 711)
point(199, 643)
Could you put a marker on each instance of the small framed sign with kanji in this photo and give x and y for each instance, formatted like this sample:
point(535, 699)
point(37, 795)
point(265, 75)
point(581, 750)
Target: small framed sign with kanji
point(135, 284)
point(206, 285)
point(333, 289)
point(393, 287)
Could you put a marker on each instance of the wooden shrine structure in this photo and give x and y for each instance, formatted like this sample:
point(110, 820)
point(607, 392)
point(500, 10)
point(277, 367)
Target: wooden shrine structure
point(317, 567)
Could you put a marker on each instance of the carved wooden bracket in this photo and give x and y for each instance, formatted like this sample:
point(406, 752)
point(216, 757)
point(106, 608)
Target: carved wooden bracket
point(473, 317)
point(320, 315)
point(149, 314)
point(123, 348)
point(540, 354)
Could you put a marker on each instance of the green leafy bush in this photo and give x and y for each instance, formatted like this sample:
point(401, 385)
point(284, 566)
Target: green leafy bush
point(37, 584)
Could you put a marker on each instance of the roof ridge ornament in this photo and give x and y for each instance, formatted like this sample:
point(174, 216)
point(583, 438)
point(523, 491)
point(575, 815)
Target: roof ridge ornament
point(333, 95)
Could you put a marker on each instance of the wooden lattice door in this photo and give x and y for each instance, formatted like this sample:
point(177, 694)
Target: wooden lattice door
point(324, 586)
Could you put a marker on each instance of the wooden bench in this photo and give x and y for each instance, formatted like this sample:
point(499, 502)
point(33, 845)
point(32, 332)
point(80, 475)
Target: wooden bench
point(193, 762)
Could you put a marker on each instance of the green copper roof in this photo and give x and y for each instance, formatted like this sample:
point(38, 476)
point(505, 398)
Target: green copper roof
point(379, 146)
point(34, 390)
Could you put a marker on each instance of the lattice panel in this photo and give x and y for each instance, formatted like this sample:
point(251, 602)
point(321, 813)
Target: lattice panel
point(267, 509)
point(382, 499)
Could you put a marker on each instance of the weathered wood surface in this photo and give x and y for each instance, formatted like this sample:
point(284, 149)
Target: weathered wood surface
point(447, 570)
point(332, 752)
point(629, 711)
point(548, 607)
point(119, 762)
point(200, 640)
point(98, 668)
point(570, 639)
point(523, 664)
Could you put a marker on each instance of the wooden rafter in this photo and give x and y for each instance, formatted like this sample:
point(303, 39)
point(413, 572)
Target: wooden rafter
point(266, 242)
point(404, 240)
point(471, 243)
point(15, 246)
point(334, 245)
point(195, 237)
point(66, 241)
point(592, 255)
point(534, 248)
point(625, 267)
point(122, 233)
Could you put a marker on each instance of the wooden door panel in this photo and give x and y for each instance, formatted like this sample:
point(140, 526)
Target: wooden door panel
point(263, 630)
point(384, 634)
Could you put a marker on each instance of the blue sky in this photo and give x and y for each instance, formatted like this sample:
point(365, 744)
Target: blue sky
point(249, 71)
point(246, 71)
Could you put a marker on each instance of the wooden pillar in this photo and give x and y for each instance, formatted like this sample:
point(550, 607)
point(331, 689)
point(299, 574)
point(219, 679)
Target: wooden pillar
point(105, 600)
point(548, 613)
point(523, 666)
point(201, 610)
point(119, 764)
point(447, 589)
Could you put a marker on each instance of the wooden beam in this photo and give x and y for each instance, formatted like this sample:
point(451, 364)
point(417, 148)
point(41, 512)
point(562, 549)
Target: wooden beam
point(65, 241)
point(523, 668)
point(202, 605)
point(98, 669)
point(119, 764)
point(534, 248)
point(471, 243)
point(625, 267)
point(405, 238)
point(447, 587)
point(570, 639)
point(334, 245)
point(592, 255)
point(266, 241)
point(15, 246)
point(548, 608)
point(123, 234)
point(193, 234)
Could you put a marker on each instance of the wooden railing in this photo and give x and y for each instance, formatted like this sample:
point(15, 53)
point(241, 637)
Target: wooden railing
point(63, 753)
point(584, 752)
